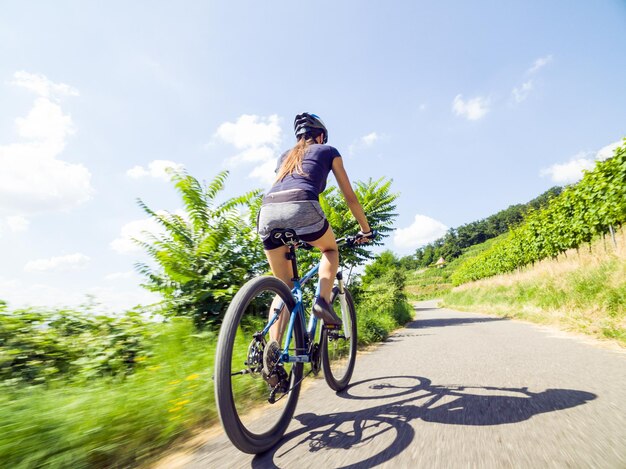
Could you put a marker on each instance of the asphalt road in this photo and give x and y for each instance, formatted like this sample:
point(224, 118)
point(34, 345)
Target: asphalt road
point(456, 390)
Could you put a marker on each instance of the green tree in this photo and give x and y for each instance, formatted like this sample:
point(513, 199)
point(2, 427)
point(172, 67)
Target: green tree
point(408, 262)
point(379, 205)
point(428, 256)
point(383, 263)
point(205, 255)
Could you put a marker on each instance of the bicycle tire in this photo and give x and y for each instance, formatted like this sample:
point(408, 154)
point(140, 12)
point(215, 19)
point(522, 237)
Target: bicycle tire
point(338, 350)
point(241, 434)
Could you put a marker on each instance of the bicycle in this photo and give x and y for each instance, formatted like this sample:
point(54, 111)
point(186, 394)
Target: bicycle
point(331, 349)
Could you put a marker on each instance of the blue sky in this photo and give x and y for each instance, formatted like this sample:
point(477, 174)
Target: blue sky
point(468, 106)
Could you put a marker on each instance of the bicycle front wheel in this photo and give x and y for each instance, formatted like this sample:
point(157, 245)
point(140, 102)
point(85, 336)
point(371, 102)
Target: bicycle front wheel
point(241, 392)
point(339, 345)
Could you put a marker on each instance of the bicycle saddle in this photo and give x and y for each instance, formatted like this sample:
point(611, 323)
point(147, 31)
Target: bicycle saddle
point(286, 236)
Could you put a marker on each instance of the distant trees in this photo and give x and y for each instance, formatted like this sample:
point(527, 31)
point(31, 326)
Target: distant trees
point(452, 244)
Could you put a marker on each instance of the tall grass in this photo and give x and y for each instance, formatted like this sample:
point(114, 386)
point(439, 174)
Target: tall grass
point(110, 422)
point(581, 290)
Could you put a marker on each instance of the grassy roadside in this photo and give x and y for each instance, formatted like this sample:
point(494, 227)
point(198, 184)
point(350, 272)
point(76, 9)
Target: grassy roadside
point(109, 422)
point(119, 422)
point(581, 290)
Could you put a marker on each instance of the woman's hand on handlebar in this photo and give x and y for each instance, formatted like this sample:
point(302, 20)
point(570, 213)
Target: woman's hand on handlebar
point(359, 238)
point(365, 237)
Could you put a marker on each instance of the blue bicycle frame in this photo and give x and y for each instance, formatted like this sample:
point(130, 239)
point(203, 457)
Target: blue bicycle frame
point(298, 309)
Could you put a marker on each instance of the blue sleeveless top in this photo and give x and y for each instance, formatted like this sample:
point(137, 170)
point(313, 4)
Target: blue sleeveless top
point(316, 164)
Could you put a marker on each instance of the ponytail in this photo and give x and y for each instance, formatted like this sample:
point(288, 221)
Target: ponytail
point(293, 161)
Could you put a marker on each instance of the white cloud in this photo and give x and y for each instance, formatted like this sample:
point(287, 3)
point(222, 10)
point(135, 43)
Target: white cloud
point(136, 229)
point(369, 139)
point(422, 231)
point(17, 223)
point(253, 155)
point(251, 131)
point(70, 262)
point(137, 172)
point(364, 142)
point(521, 93)
point(566, 173)
point(607, 151)
point(572, 170)
point(156, 169)
point(46, 122)
point(265, 172)
point(42, 86)
point(32, 178)
point(472, 109)
point(539, 64)
point(258, 138)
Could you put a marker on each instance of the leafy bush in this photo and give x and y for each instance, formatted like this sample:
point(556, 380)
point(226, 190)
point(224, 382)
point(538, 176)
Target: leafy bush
point(383, 263)
point(113, 423)
point(378, 203)
point(205, 255)
point(38, 347)
point(382, 307)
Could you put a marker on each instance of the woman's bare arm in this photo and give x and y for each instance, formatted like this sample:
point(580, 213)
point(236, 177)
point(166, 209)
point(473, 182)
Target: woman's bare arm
point(346, 189)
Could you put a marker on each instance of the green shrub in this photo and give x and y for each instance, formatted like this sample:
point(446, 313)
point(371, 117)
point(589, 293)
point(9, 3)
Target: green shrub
point(374, 327)
point(112, 422)
point(39, 347)
point(382, 307)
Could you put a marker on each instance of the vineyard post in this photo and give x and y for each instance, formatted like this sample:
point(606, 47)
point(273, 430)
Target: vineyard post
point(613, 235)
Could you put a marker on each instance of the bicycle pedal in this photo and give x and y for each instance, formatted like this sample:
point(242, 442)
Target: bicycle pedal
point(335, 335)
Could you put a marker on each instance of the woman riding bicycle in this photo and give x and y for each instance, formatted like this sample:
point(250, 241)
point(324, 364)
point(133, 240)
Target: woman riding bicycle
point(293, 202)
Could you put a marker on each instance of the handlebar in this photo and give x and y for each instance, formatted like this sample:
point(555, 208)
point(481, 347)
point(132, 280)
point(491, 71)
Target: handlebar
point(350, 241)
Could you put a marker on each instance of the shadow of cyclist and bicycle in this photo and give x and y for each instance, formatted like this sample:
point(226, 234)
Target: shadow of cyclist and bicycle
point(413, 398)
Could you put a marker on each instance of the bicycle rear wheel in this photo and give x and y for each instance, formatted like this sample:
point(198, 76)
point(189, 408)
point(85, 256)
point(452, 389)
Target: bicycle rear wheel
point(241, 393)
point(339, 346)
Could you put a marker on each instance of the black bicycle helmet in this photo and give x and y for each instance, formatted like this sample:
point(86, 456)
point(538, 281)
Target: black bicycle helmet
point(307, 122)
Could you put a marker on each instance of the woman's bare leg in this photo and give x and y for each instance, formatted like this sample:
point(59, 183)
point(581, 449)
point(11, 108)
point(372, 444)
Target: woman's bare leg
point(329, 263)
point(282, 269)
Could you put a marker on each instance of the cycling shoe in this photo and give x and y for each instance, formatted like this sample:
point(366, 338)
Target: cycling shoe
point(322, 310)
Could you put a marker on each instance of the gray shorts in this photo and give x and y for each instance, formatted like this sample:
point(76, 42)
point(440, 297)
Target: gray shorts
point(305, 217)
